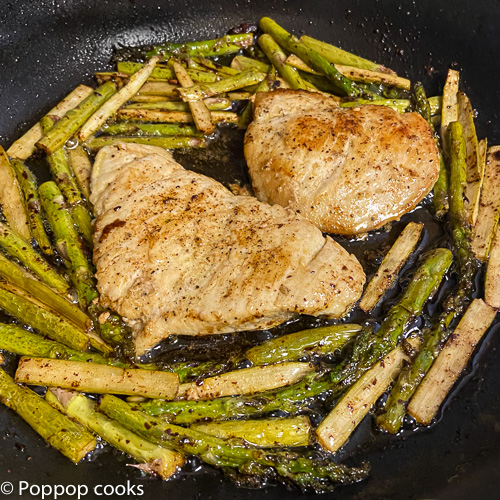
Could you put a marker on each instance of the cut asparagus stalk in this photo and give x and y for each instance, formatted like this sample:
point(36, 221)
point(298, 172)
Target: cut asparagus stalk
point(451, 362)
point(466, 119)
point(219, 68)
point(97, 378)
point(239, 96)
point(81, 167)
point(62, 174)
point(119, 79)
point(318, 474)
point(43, 320)
point(18, 276)
point(110, 107)
point(246, 115)
point(449, 110)
point(368, 348)
point(278, 60)
point(242, 63)
point(294, 346)
point(149, 99)
point(151, 129)
point(15, 246)
point(202, 91)
point(313, 58)
point(28, 184)
point(489, 205)
point(400, 105)
point(246, 381)
point(355, 74)
point(289, 400)
point(25, 146)
point(335, 429)
point(473, 189)
point(11, 198)
point(73, 119)
point(492, 281)
point(167, 74)
point(264, 433)
point(199, 110)
point(55, 428)
point(154, 115)
point(153, 459)
point(159, 89)
point(228, 44)
point(338, 56)
point(169, 142)
point(212, 103)
point(391, 265)
point(68, 242)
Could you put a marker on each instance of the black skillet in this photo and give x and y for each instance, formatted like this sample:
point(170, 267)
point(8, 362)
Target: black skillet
point(48, 47)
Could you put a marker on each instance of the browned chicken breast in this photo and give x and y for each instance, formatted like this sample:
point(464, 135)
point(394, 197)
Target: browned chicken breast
point(178, 253)
point(346, 170)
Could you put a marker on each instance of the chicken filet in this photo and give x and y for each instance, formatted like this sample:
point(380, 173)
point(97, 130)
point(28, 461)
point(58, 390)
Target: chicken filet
point(346, 170)
point(178, 253)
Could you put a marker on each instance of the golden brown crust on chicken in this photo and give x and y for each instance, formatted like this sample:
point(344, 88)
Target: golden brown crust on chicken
point(178, 253)
point(347, 170)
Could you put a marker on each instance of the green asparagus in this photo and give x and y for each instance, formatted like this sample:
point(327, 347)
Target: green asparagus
point(319, 474)
point(151, 129)
point(57, 429)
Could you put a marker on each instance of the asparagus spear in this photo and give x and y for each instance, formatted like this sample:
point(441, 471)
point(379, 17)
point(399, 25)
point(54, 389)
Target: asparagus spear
point(25, 146)
point(11, 198)
point(165, 73)
point(16, 275)
point(246, 381)
point(305, 472)
point(391, 265)
point(339, 56)
point(20, 249)
point(158, 89)
point(27, 183)
point(264, 433)
point(151, 129)
point(43, 320)
point(455, 303)
point(199, 110)
point(62, 174)
point(228, 44)
point(155, 115)
point(400, 105)
point(219, 68)
point(287, 400)
point(136, 81)
point(368, 347)
point(212, 103)
point(204, 90)
point(154, 459)
point(294, 346)
point(97, 378)
point(56, 136)
point(278, 60)
point(57, 429)
point(247, 114)
point(68, 243)
point(291, 44)
point(167, 142)
point(242, 63)
point(81, 167)
point(451, 361)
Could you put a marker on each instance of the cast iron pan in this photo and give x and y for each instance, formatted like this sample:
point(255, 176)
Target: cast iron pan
point(47, 48)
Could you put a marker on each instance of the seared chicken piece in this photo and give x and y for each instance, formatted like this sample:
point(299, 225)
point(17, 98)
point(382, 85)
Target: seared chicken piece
point(346, 170)
point(178, 253)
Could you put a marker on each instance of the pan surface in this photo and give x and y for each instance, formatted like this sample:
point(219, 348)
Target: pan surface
point(48, 47)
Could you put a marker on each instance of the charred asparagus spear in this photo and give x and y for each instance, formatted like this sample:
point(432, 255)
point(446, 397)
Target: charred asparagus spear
point(306, 473)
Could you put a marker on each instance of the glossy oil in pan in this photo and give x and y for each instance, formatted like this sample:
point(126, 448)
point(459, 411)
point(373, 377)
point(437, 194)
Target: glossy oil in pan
point(49, 47)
